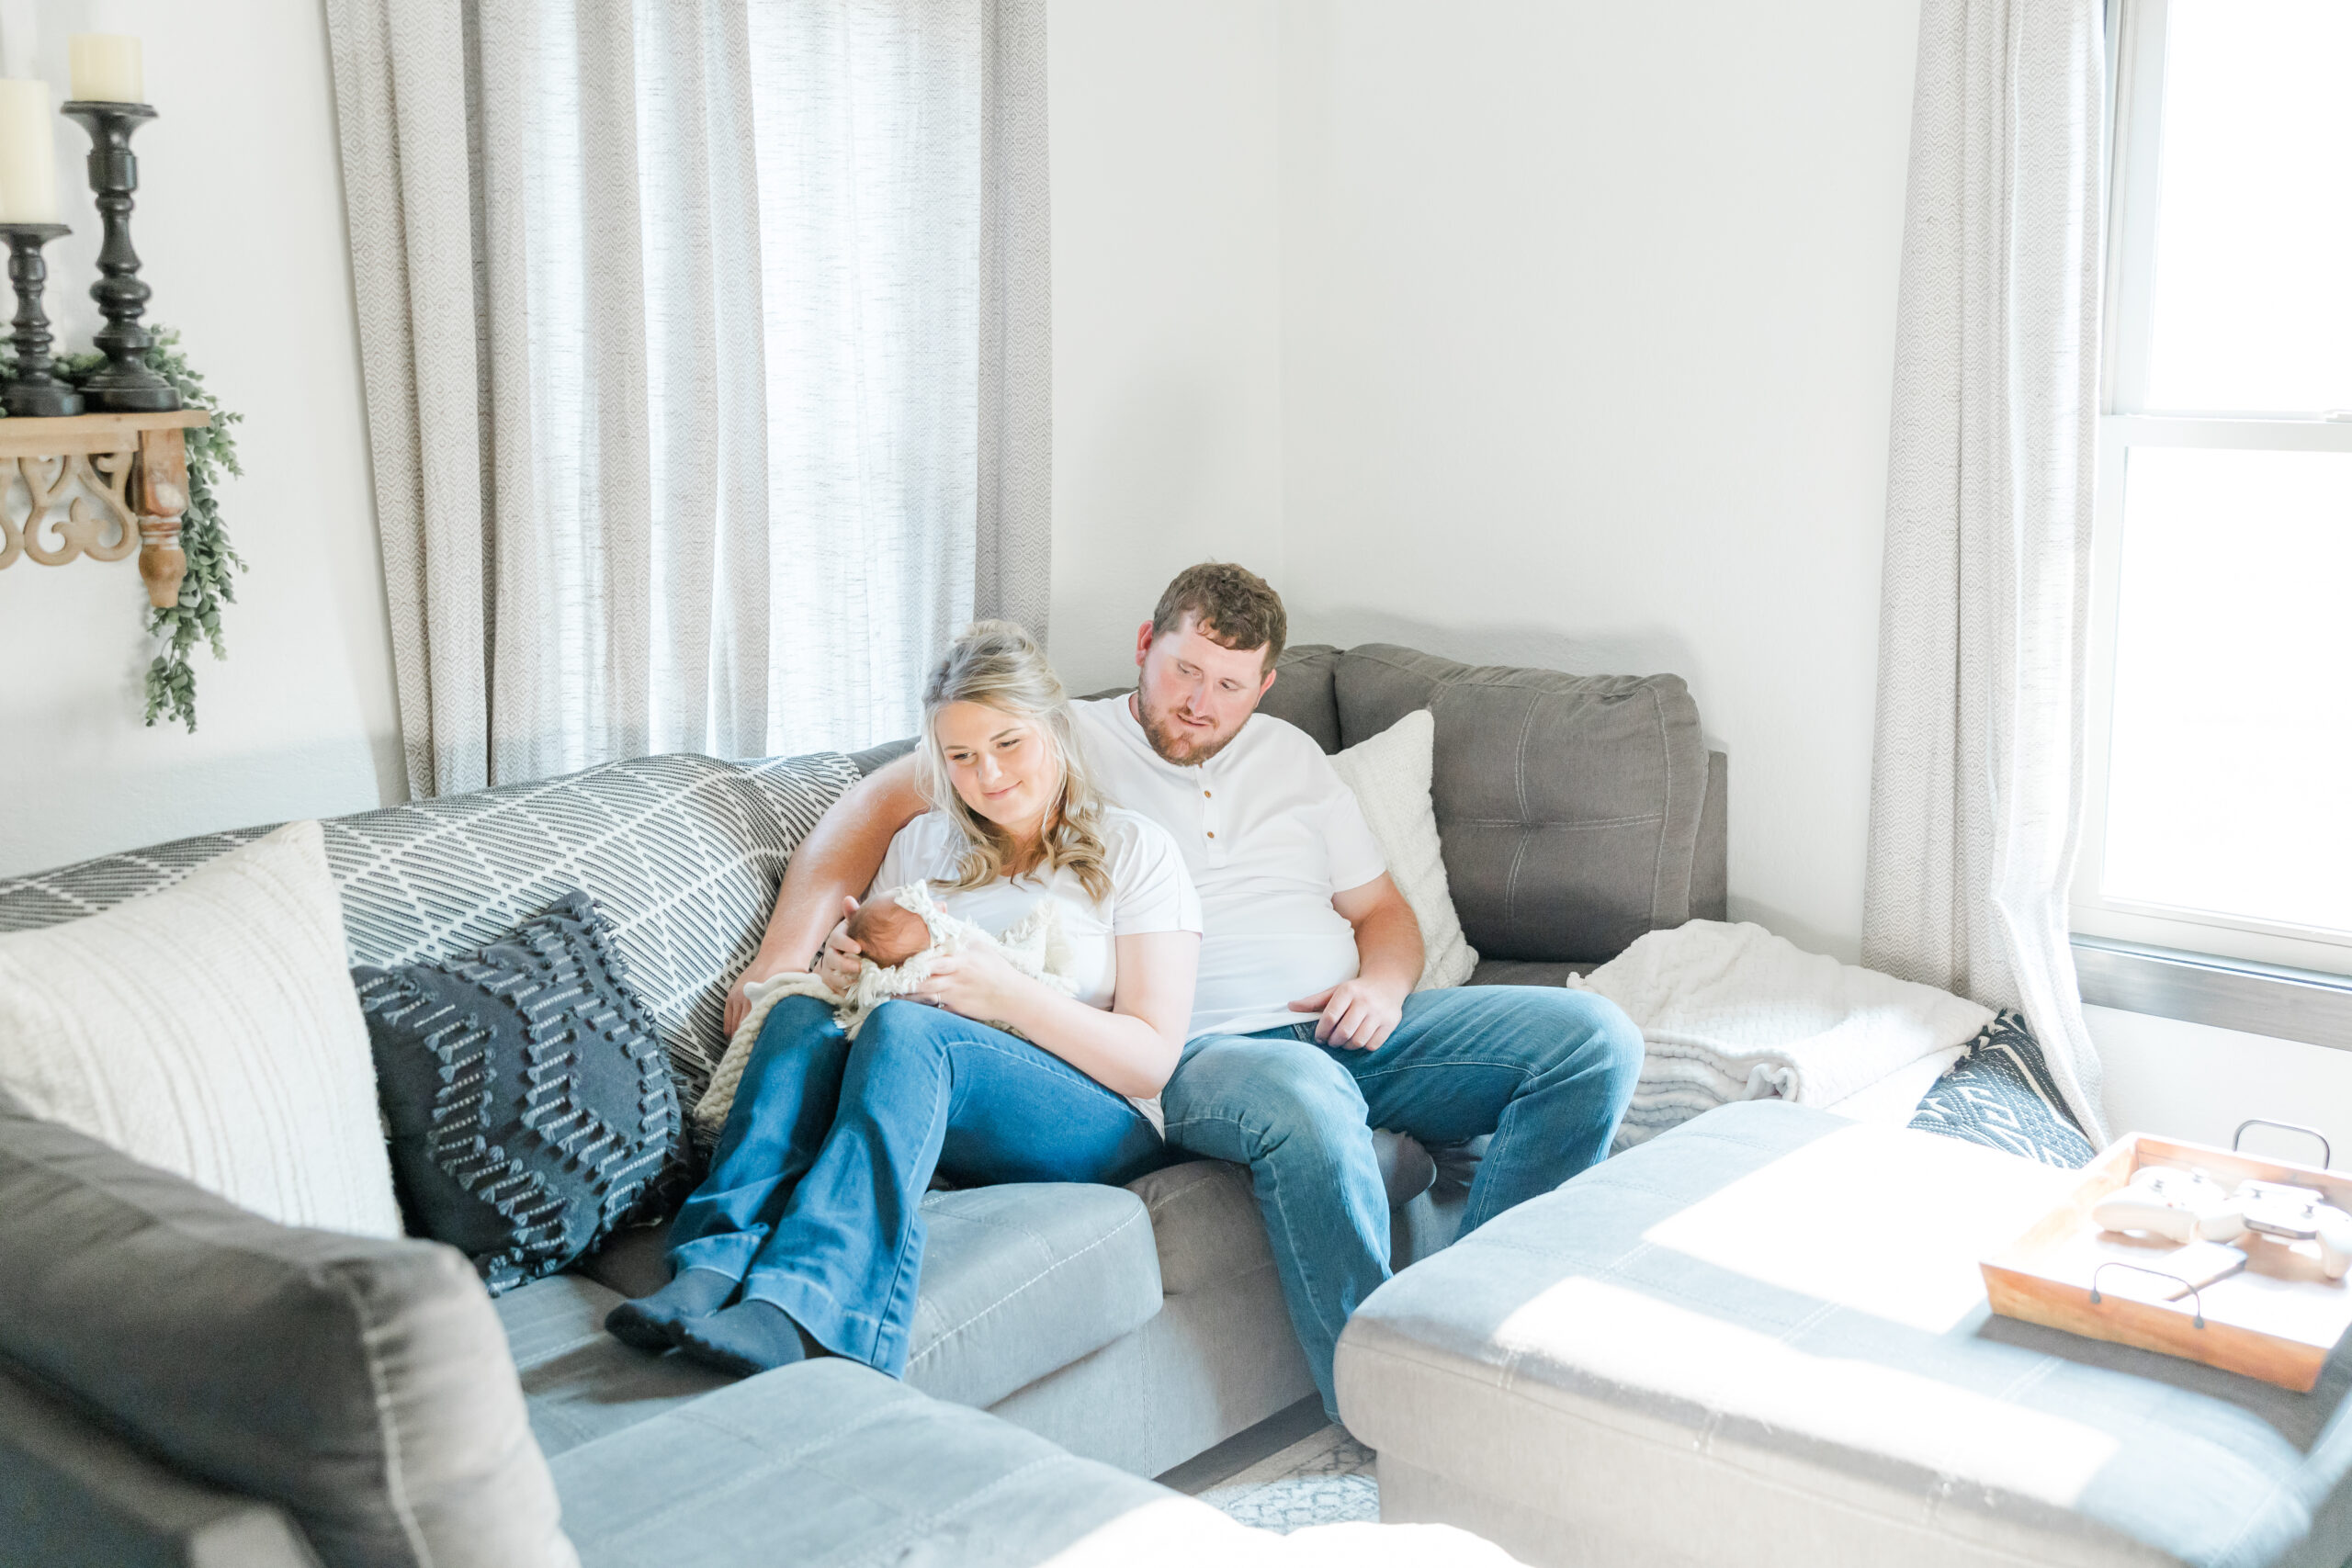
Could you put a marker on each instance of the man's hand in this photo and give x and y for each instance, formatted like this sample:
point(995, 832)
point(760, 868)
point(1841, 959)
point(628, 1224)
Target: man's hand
point(1358, 1014)
point(738, 1004)
point(837, 962)
point(839, 857)
point(836, 965)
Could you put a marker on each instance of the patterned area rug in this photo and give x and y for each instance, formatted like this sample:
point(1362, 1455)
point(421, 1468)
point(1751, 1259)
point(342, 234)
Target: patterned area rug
point(1322, 1479)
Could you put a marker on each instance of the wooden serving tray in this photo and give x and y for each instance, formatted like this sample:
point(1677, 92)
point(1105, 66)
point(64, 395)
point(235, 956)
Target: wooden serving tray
point(2278, 1319)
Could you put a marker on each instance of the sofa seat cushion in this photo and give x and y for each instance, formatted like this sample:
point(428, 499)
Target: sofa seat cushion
point(1018, 1280)
point(579, 1382)
point(1022, 1280)
point(1773, 1317)
point(831, 1462)
point(1205, 1225)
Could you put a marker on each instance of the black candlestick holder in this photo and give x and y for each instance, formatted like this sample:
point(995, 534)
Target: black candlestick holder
point(33, 392)
point(124, 383)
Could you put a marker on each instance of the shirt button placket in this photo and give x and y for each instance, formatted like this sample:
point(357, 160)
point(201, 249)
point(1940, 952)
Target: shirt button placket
point(1210, 820)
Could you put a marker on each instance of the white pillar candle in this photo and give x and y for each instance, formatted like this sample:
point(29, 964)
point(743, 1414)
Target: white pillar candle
point(28, 153)
point(107, 68)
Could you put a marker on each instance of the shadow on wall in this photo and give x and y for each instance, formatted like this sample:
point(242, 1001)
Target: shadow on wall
point(72, 813)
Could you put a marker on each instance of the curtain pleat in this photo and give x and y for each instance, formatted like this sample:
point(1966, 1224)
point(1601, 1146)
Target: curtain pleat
point(1016, 313)
point(619, 631)
point(400, 101)
point(704, 344)
point(1977, 780)
point(741, 649)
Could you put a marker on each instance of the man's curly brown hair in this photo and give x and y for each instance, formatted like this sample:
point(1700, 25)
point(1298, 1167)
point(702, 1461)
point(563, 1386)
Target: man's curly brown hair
point(1229, 604)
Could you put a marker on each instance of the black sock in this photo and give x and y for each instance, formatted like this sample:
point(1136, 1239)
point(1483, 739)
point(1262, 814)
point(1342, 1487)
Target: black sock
point(750, 1336)
point(648, 1322)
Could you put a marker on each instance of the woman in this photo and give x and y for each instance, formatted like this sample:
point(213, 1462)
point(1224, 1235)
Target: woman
point(806, 1236)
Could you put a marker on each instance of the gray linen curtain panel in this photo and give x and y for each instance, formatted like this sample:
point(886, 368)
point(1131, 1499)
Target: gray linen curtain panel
point(1976, 786)
point(707, 358)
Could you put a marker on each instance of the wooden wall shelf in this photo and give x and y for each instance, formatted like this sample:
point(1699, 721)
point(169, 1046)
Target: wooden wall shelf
point(104, 485)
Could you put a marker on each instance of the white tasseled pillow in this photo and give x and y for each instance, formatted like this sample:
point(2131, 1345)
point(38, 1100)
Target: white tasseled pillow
point(1390, 775)
point(211, 1030)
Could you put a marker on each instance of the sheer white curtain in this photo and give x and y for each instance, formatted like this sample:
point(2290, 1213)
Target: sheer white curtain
point(706, 344)
point(1976, 788)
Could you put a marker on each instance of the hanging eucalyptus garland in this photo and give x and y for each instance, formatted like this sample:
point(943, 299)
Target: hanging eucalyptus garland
point(212, 452)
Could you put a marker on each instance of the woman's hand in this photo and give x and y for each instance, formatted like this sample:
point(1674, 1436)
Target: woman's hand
point(977, 983)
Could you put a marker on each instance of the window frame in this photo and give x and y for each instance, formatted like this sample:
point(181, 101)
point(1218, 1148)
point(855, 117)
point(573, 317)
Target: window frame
point(2136, 61)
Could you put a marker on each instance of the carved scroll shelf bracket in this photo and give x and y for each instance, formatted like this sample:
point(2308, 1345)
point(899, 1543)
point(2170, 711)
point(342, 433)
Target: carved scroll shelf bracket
point(98, 485)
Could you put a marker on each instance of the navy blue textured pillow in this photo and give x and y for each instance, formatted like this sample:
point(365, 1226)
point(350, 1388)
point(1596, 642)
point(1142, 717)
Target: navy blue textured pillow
point(526, 1091)
point(2000, 1094)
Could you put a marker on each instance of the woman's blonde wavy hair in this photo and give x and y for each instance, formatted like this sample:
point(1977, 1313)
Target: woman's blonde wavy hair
point(997, 664)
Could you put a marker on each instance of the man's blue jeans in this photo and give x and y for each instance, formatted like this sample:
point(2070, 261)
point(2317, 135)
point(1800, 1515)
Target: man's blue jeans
point(814, 1199)
point(1547, 1071)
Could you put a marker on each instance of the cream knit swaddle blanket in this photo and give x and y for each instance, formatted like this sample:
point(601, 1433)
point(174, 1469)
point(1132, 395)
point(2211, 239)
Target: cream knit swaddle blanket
point(1033, 944)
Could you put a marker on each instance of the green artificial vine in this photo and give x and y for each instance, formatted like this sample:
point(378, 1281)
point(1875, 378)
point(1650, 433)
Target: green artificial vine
point(212, 452)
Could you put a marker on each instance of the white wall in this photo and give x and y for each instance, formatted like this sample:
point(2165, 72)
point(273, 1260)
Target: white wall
point(1581, 342)
point(1588, 324)
point(240, 224)
point(1581, 330)
point(1167, 411)
point(2190, 1081)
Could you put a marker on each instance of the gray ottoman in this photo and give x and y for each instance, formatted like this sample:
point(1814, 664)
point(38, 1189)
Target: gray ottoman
point(1762, 1339)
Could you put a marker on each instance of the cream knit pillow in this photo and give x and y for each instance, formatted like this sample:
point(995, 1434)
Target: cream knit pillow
point(1390, 775)
point(211, 1030)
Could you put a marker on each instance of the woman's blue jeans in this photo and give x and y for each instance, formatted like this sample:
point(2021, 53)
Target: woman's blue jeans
point(814, 1199)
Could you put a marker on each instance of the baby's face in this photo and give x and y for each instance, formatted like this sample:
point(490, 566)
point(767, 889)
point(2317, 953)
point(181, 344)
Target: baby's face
point(887, 933)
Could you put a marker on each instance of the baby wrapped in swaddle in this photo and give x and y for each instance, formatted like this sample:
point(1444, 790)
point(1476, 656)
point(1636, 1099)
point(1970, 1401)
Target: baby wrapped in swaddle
point(900, 934)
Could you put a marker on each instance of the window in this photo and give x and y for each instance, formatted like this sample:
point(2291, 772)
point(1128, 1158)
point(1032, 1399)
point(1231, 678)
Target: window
point(2219, 784)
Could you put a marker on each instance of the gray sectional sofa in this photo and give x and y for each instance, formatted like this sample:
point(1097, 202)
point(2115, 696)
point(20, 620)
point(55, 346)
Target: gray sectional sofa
point(1130, 1327)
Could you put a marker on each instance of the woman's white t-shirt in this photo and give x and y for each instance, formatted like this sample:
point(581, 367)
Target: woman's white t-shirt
point(1151, 891)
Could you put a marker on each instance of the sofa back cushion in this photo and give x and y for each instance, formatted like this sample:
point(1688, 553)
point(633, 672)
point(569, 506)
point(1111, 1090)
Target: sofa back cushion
point(1568, 805)
point(361, 1385)
point(1302, 695)
point(682, 853)
point(209, 1029)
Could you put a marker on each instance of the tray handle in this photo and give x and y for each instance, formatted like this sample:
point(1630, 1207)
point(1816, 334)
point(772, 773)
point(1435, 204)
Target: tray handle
point(2326, 1153)
point(2195, 1294)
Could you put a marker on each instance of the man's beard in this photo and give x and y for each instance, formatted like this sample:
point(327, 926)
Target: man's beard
point(1175, 743)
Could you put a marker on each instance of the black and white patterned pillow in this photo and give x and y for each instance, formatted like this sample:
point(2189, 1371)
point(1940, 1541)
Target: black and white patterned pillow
point(683, 854)
point(527, 1094)
point(2000, 1094)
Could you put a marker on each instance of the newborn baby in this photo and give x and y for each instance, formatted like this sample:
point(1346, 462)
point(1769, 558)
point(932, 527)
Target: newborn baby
point(887, 932)
point(897, 934)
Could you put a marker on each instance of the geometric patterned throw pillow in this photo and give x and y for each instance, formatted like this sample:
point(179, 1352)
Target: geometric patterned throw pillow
point(528, 1092)
point(2000, 1094)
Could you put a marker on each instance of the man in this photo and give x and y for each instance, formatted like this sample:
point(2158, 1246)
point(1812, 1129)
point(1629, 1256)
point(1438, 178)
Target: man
point(1305, 1032)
